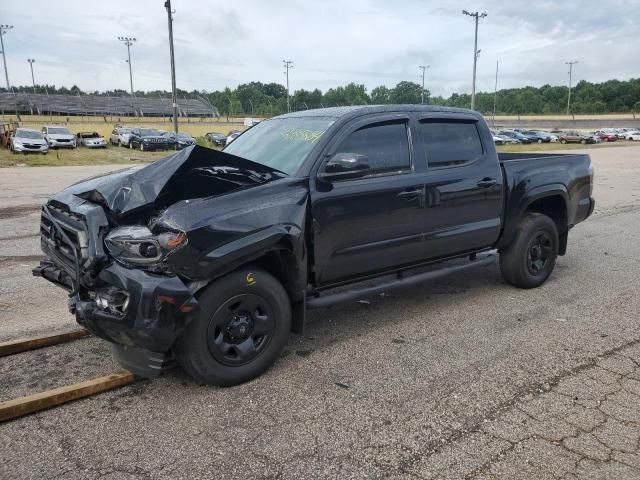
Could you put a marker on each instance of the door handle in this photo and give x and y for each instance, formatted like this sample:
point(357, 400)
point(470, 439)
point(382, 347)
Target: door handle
point(411, 194)
point(487, 182)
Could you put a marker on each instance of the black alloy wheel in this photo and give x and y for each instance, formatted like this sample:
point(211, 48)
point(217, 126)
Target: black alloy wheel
point(539, 253)
point(240, 329)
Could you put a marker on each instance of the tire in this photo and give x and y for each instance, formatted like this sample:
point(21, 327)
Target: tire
point(142, 147)
point(530, 259)
point(583, 141)
point(539, 140)
point(131, 145)
point(208, 348)
point(119, 143)
point(563, 141)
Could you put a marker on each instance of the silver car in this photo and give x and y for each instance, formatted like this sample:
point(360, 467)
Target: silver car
point(121, 136)
point(28, 140)
point(91, 140)
point(59, 137)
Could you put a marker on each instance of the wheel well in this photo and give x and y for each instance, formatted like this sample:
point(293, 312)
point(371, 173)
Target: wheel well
point(555, 208)
point(283, 266)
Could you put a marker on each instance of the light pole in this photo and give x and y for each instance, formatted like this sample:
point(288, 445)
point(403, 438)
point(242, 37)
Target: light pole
point(174, 93)
point(423, 68)
point(477, 16)
point(287, 65)
point(495, 94)
point(3, 31)
point(571, 64)
point(128, 41)
point(33, 79)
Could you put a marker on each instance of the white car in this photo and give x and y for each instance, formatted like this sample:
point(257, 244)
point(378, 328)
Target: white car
point(91, 140)
point(28, 140)
point(635, 136)
point(121, 136)
point(59, 137)
point(233, 134)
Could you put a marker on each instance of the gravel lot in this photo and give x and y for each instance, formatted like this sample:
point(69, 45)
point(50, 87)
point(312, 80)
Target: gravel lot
point(462, 378)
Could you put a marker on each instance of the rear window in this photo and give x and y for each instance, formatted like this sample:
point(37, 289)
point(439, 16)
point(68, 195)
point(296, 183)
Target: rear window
point(448, 143)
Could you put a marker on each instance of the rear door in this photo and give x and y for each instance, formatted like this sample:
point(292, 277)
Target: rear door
point(463, 185)
point(372, 223)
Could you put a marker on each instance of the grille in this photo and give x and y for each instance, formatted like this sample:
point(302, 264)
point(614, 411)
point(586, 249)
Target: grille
point(60, 248)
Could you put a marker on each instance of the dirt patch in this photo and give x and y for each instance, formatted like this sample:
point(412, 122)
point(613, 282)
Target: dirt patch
point(17, 260)
point(18, 211)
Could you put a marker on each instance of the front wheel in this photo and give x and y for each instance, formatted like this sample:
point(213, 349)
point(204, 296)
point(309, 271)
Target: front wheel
point(530, 259)
point(142, 147)
point(239, 331)
point(563, 141)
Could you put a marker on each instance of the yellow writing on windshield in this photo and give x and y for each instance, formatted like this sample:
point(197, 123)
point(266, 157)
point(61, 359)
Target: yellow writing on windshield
point(302, 134)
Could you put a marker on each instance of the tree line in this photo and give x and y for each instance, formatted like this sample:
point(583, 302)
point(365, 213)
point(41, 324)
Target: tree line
point(266, 99)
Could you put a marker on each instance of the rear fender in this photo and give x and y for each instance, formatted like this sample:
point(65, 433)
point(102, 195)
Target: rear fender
point(514, 215)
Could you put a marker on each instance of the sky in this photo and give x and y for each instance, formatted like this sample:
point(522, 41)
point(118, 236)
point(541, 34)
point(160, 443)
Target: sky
point(331, 42)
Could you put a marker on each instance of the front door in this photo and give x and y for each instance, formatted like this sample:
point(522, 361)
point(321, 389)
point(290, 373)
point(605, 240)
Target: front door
point(372, 223)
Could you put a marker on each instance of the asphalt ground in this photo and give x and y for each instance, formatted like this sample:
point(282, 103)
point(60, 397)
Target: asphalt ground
point(461, 378)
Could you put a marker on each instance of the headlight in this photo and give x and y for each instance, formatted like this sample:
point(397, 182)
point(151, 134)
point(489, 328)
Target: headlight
point(137, 245)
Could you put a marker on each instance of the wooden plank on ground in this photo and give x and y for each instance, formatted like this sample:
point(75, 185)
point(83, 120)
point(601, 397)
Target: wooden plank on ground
point(19, 407)
point(23, 344)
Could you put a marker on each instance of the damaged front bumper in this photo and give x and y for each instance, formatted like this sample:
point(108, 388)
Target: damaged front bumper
point(141, 314)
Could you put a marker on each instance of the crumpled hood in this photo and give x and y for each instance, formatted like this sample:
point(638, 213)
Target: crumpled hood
point(195, 172)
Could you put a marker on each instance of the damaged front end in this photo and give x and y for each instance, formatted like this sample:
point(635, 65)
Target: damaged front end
point(127, 265)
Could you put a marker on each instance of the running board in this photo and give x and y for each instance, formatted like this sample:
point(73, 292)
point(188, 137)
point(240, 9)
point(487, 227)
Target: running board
point(341, 297)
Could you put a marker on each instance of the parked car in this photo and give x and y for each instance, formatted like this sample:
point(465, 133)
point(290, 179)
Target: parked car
point(180, 140)
point(218, 139)
point(214, 256)
point(149, 139)
point(233, 134)
point(503, 140)
point(633, 136)
point(25, 140)
point(90, 140)
point(516, 136)
point(120, 136)
point(605, 136)
point(575, 137)
point(536, 137)
point(59, 137)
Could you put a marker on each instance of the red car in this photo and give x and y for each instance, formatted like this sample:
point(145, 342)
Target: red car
point(606, 137)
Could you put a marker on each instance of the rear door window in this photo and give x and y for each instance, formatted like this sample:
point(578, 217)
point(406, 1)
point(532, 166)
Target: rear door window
point(450, 143)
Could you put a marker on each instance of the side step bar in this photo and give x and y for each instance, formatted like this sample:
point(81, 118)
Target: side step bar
point(341, 297)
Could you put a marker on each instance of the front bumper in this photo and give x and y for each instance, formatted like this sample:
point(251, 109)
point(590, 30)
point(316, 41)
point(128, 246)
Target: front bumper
point(102, 144)
point(157, 145)
point(158, 307)
point(55, 143)
point(19, 147)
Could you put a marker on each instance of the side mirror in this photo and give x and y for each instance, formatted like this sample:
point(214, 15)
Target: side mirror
point(345, 166)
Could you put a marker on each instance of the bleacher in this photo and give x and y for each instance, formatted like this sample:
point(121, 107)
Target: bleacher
point(42, 104)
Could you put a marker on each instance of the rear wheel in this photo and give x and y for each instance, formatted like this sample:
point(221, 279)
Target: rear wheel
point(530, 259)
point(239, 331)
point(539, 140)
point(583, 141)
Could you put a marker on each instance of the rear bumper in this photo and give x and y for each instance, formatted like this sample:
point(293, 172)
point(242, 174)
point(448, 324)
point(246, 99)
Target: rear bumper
point(156, 311)
point(585, 209)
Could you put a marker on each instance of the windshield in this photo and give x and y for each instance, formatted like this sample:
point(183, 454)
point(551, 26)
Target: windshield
point(59, 131)
point(280, 143)
point(28, 134)
point(149, 132)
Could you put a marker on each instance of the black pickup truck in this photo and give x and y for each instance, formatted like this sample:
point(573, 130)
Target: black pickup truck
point(214, 257)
